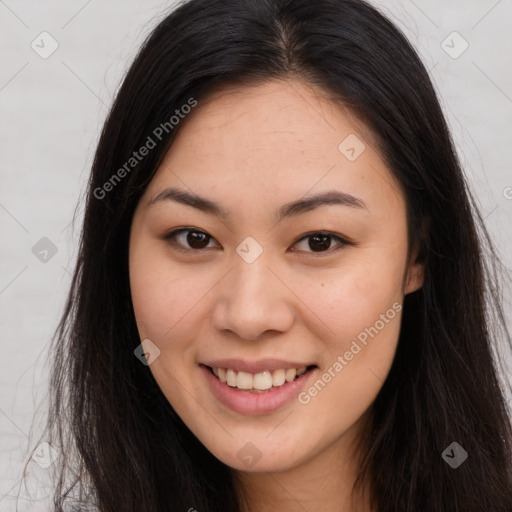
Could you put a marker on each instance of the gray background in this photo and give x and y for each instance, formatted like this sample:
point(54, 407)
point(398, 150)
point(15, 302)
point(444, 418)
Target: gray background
point(52, 111)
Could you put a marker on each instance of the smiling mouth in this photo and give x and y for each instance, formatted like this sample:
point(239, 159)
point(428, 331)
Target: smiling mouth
point(262, 382)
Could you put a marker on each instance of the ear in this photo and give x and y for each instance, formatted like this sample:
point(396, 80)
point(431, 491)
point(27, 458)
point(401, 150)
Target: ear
point(415, 277)
point(415, 274)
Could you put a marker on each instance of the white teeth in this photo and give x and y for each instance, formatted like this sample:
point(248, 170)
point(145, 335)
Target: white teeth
point(244, 380)
point(231, 378)
point(278, 379)
point(259, 381)
point(262, 380)
point(290, 374)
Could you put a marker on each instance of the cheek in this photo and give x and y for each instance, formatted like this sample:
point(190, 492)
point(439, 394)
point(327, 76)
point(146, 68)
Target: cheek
point(354, 296)
point(162, 295)
point(364, 317)
point(164, 302)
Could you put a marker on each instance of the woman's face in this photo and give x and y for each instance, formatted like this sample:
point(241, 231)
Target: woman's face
point(257, 288)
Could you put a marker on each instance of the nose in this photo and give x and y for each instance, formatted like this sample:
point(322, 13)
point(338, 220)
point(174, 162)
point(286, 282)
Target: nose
point(253, 299)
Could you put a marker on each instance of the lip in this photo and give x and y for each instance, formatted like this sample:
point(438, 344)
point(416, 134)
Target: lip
point(255, 366)
point(247, 403)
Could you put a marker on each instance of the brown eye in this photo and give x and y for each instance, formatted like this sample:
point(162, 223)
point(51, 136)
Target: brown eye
point(197, 240)
point(322, 242)
point(319, 242)
point(189, 239)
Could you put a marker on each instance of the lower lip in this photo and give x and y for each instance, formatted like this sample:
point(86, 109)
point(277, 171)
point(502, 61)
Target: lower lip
point(244, 402)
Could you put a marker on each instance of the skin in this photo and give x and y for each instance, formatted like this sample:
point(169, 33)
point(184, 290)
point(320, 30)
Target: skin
point(253, 149)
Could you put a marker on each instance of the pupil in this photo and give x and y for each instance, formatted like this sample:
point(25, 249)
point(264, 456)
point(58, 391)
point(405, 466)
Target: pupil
point(324, 242)
point(196, 240)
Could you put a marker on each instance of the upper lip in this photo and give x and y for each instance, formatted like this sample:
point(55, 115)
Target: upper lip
point(258, 366)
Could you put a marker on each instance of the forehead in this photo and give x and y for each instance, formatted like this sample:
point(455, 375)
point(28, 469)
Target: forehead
point(276, 139)
point(261, 116)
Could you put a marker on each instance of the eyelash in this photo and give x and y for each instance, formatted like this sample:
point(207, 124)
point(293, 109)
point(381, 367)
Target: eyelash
point(171, 238)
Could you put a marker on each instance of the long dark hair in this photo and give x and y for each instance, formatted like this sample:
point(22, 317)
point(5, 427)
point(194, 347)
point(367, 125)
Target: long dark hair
point(118, 434)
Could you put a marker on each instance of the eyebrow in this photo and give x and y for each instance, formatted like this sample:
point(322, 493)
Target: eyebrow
point(330, 197)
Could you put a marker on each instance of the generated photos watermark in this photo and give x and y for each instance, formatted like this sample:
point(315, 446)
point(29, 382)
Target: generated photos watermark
point(137, 156)
point(343, 360)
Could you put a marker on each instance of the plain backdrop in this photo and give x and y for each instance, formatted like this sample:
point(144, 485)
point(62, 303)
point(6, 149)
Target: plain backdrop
point(51, 114)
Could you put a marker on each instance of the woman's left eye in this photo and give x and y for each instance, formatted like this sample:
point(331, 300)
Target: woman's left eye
point(321, 242)
point(197, 240)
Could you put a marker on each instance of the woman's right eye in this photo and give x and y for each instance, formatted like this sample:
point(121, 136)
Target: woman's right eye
point(195, 240)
